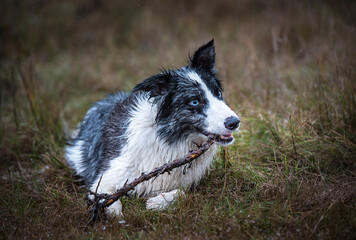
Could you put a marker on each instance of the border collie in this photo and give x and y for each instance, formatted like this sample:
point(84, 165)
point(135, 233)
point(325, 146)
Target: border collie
point(165, 116)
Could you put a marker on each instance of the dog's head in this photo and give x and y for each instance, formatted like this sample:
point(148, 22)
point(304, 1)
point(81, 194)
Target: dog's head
point(190, 100)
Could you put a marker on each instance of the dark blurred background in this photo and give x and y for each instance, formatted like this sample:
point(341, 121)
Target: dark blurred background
point(46, 27)
point(288, 70)
point(111, 45)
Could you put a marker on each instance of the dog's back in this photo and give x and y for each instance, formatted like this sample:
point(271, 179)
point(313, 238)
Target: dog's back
point(84, 152)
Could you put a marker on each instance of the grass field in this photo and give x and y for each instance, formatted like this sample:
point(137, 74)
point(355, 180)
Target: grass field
point(288, 69)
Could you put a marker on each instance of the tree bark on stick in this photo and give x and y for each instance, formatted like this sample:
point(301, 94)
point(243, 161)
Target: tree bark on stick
point(101, 201)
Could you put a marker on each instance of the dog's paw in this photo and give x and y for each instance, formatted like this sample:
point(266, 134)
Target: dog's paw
point(115, 209)
point(163, 200)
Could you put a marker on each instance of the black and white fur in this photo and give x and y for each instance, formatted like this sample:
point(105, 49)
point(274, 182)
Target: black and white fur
point(127, 134)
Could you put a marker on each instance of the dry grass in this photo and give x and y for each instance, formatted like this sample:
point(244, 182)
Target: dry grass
point(288, 68)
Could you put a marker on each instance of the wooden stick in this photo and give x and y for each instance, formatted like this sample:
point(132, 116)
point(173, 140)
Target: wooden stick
point(102, 201)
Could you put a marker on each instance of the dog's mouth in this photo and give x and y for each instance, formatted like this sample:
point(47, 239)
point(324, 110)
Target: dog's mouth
point(221, 139)
point(224, 139)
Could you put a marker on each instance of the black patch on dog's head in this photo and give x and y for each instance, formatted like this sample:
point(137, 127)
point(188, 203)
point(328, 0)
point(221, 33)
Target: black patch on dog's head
point(177, 118)
point(157, 85)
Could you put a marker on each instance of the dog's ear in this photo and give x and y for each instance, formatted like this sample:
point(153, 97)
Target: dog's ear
point(204, 57)
point(156, 85)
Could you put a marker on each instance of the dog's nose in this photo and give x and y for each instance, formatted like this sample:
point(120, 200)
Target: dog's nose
point(232, 123)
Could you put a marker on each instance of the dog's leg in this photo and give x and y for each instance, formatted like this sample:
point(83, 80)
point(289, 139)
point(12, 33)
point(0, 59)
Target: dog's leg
point(114, 209)
point(163, 200)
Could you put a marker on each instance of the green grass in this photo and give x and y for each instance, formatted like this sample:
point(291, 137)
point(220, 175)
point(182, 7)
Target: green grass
point(288, 69)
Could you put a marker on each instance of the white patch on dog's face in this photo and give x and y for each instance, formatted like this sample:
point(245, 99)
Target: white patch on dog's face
point(218, 111)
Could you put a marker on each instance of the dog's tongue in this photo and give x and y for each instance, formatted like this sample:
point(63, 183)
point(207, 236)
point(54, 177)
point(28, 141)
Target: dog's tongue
point(226, 136)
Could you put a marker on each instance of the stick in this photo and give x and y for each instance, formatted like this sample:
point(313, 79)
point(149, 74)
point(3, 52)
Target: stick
point(102, 201)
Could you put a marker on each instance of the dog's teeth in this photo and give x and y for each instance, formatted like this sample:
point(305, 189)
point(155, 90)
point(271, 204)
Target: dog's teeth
point(226, 136)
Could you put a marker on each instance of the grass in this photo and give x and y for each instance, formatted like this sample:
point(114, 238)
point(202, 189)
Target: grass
point(288, 69)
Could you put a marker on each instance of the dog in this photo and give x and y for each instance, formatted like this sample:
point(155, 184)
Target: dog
point(162, 119)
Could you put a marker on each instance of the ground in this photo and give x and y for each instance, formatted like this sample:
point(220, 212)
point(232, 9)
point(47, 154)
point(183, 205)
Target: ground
point(288, 69)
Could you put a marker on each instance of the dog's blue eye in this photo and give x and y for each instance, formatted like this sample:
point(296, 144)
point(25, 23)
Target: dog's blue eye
point(219, 95)
point(194, 103)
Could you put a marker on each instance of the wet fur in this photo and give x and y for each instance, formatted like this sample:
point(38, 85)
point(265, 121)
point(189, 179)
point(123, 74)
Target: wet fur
point(130, 133)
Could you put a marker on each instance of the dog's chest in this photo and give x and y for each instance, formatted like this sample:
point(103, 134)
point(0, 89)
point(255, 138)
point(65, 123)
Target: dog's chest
point(154, 156)
point(145, 151)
